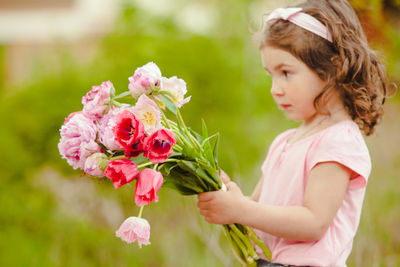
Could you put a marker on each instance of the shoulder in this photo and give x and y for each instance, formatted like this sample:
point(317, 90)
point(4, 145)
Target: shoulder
point(343, 136)
point(342, 143)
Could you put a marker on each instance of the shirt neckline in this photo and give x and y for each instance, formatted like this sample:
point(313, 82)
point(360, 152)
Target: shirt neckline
point(314, 134)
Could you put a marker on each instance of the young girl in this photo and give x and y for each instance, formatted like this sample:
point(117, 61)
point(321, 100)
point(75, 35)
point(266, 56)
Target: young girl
point(307, 205)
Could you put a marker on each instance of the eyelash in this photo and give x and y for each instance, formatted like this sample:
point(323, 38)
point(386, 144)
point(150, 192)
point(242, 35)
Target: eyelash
point(286, 73)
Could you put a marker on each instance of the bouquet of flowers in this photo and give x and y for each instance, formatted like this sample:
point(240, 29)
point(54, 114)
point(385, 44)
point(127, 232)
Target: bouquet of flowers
point(138, 142)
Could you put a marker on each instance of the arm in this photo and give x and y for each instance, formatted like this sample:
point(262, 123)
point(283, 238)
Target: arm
point(257, 191)
point(323, 196)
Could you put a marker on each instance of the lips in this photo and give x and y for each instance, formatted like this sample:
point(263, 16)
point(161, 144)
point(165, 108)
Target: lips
point(285, 106)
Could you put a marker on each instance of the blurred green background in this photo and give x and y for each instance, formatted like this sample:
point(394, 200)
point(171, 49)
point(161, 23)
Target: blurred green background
point(52, 216)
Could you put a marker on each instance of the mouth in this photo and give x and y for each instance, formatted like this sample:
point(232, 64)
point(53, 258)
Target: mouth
point(284, 106)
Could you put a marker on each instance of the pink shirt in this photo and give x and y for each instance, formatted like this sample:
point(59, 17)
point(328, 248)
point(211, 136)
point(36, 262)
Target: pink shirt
point(285, 172)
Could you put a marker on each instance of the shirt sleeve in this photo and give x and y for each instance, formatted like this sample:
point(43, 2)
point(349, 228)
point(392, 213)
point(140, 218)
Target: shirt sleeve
point(346, 146)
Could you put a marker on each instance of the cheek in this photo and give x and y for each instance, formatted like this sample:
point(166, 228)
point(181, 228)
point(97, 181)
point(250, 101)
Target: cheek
point(317, 84)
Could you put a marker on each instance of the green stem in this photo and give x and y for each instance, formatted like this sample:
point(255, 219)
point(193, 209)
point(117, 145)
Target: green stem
point(121, 95)
point(166, 120)
point(176, 131)
point(184, 141)
point(202, 183)
point(242, 247)
point(116, 103)
point(259, 243)
point(140, 212)
point(234, 246)
point(118, 157)
point(246, 242)
point(144, 165)
point(180, 138)
point(191, 138)
point(178, 148)
point(149, 163)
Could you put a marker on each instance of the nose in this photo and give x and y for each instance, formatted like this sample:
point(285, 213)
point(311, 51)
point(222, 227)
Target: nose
point(276, 89)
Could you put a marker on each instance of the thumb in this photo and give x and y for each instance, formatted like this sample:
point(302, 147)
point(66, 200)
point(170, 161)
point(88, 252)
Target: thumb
point(232, 186)
point(224, 177)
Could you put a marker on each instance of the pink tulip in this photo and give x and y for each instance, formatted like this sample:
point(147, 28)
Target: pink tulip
point(106, 133)
point(78, 140)
point(134, 229)
point(96, 101)
point(177, 88)
point(144, 80)
point(148, 112)
point(147, 186)
point(72, 115)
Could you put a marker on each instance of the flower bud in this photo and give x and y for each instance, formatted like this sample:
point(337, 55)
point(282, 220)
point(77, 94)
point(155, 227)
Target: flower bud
point(96, 164)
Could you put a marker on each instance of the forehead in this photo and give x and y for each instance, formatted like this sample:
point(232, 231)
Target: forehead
point(273, 57)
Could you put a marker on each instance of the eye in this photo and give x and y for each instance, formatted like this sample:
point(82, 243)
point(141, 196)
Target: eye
point(287, 74)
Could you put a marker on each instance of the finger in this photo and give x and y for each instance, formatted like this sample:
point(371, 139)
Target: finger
point(204, 197)
point(208, 219)
point(211, 219)
point(202, 205)
point(203, 212)
point(224, 177)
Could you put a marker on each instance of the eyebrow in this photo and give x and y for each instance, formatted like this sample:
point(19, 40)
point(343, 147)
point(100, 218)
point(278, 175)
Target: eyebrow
point(278, 67)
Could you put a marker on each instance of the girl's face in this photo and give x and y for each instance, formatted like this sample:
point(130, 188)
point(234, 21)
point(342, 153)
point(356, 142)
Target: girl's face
point(294, 85)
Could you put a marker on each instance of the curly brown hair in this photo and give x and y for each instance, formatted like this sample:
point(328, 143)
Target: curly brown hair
point(348, 64)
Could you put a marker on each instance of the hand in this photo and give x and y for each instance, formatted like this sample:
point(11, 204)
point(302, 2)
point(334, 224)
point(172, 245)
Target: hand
point(224, 177)
point(220, 207)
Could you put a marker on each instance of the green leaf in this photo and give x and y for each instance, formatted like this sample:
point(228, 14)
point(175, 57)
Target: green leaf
point(208, 138)
point(181, 189)
point(208, 151)
point(216, 144)
point(204, 129)
point(196, 135)
point(199, 172)
point(166, 167)
point(189, 152)
point(184, 181)
point(169, 104)
point(189, 167)
point(138, 159)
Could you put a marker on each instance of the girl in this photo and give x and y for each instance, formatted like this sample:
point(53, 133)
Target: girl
point(307, 205)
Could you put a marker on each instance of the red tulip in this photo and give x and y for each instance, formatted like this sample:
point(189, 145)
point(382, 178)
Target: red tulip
point(128, 129)
point(158, 146)
point(121, 171)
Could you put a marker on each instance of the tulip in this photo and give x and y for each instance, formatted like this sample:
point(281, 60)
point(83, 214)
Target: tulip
point(147, 186)
point(134, 229)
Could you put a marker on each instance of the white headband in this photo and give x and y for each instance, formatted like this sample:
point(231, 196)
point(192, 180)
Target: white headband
point(307, 22)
